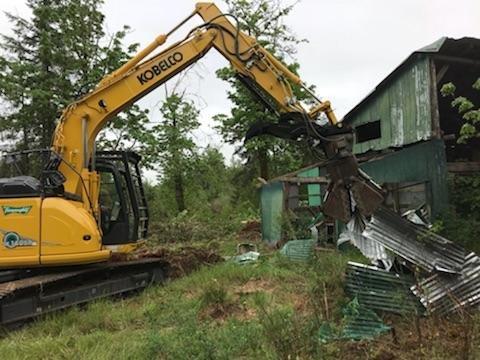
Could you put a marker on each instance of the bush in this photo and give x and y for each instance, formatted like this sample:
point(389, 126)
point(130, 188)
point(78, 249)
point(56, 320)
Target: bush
point(290, 335)
point(461, 223)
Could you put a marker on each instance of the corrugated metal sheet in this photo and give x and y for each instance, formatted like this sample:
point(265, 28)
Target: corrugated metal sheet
point(364, 326)
point(370, 249)
point(359, 323)
point(415, 244)
point(442, 293)
point(298, 250)
point(379, 289)
point(403, 108)
point(453, 279)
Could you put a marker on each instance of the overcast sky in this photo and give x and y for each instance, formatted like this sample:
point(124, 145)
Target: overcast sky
point(353, 44)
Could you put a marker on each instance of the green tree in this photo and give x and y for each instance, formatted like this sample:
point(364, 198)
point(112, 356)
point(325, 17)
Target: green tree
point(53, 58)
point(470, 112)
point(264, 20)
point(175, 148)
point(207, 188)
point(462, 221)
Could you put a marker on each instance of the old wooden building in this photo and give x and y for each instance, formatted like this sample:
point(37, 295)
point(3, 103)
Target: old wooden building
point(405, 132)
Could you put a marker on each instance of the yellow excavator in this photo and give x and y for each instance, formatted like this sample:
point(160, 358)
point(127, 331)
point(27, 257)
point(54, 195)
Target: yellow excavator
point(88, 204)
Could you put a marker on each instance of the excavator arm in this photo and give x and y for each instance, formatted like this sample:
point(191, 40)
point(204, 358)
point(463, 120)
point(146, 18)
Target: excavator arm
point(74, 138)
point(61, 218)
point(65, 226)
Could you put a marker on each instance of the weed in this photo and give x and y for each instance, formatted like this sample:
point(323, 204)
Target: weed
point(215, 301)
point(290, 334)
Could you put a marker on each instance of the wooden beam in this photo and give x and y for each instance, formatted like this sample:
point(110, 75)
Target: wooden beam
point(463, 166)
point(435, 119)
point(319, 164)
point(303, 180)
point(441, 73)
point(457, 60)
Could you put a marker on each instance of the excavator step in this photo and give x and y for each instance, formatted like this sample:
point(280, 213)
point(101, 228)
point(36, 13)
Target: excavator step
point(29, 295)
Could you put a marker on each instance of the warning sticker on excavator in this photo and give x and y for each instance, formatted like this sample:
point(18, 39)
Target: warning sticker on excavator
point(22, 210)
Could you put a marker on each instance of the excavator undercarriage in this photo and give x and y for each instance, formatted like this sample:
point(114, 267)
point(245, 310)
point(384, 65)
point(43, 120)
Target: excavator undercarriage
point(25, 294)
point(29, 292)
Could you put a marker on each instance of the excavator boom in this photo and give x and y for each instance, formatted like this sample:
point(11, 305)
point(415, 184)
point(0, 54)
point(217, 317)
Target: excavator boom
point(62, 219)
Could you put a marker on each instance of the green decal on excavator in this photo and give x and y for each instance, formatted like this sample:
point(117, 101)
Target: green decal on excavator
point(23, 210)
point(12, 240)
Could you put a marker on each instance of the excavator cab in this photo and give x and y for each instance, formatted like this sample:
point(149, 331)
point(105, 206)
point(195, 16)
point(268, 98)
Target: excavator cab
point(123, 207)
point(30, 182)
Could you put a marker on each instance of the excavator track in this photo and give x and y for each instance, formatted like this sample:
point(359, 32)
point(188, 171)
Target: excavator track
point(25, 294)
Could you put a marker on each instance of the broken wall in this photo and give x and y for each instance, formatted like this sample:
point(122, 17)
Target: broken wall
point(420, 163)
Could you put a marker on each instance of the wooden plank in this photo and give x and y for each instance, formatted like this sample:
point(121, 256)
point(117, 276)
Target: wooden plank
point(457, 60)
point(463, 166)
point(304, 180)
point(319, 164)
point(435, 113)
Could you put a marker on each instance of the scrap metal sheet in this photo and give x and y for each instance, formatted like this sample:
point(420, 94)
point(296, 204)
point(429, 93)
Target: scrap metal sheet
point(383, 290)
point(444, 293)
point(371, 249)
point(415, 243)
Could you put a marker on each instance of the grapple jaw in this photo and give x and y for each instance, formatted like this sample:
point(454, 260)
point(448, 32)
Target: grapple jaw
point(350, 189)
point(356, 192)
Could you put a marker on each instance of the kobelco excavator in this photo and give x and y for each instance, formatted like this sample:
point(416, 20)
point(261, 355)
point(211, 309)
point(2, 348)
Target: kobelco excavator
point(88, 204)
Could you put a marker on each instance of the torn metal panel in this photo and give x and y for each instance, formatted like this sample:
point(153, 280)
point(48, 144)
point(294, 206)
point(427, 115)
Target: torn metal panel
point(359, 323)
point(298, 250)
point(414, 243)
point(379, 289)
point(419, 216)
point(372, 250)
point(441, 293)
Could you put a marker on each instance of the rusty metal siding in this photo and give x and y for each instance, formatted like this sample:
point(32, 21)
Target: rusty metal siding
point(403, 107)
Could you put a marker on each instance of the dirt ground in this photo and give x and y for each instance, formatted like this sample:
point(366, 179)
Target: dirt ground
point(183, 260)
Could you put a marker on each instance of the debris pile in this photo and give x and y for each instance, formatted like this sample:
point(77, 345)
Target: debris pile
point(372, 250)
point(433, 274)
point(447, 293)
point(415, 244)
point(246, 253)
point(251, 230)
point(182, 260)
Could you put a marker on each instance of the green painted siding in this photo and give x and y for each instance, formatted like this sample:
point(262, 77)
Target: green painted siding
point(314, 193)
point(271, 203)
point(421, 162)
point(403, 107)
